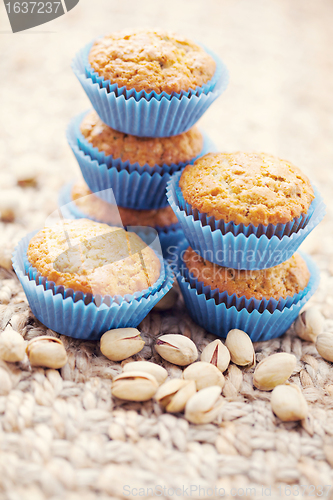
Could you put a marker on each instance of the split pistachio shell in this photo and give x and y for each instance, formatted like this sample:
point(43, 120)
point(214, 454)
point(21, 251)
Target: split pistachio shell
point(168, 301)
point(134, 386)
point(176, 349)
point(288, 403)
point(121, 343)
point(274, 370)
point(204, 375)
point(12, 345)
point(240, 347)
point(48, 352)
point(204, 406)
point(324, 346)
point(217, 354)
point(309, 324)
point(157, 371)
point(174, 394)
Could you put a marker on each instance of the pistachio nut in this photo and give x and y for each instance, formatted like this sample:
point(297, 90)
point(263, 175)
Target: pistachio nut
point(12, 345)
point(204, 406)
point(174, 394)
point(134, 386)
point(121, 343)
point(155, 370)
point(274, 370)
point(309, 324)
point(240, 347)
point(288, 403)
point(176, 349)
point(217, 354)
point(204, 375)
point(168, 301)
point(324, 346)
point(48, 352)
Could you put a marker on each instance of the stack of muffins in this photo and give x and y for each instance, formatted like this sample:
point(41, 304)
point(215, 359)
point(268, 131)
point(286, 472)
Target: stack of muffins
point(232, 226)
point(244, 216)
point(148, 89)
point(85, 275)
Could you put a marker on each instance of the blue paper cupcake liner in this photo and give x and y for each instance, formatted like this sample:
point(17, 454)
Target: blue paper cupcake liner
point(68, 312)
point(76, 135)
point(241, 251)
point(147, 115)
point(128, 189)
point(264, 324)
point(169, 236)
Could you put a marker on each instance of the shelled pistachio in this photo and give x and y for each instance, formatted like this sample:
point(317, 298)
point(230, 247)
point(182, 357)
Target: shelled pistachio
point(204, 375)
point(134, 386)
point(204, 406)
point(240, 347)
point(274, 370)
point(121, 343)
point(217, 354)
point(48, 352)
point(157, 371)
point(288, 403)
point(176, 349)
point(174, 394)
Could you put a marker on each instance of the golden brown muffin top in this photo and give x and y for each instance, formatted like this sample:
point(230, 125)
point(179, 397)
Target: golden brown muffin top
point(93, 258)
point(247, 188)
point(151, 60)
point(143, 150)
point(287, 278)
point(95, 207)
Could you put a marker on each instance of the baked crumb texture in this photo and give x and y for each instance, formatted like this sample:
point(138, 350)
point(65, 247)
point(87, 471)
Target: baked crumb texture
point(97, 208)
point(151, 60)
point(142, 150)
point(276, 282)
point(94, 258)
point(246, 188)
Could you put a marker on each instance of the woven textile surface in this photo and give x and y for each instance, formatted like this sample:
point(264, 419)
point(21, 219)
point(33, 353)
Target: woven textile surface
point(62, 435)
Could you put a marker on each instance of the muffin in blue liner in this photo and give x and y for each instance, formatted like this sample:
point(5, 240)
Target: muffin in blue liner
point(75, 135)
point(131, 189)
point(243, 250)
point(147, 114)
point(259, 322)
point(78, 315)
point(169, 236)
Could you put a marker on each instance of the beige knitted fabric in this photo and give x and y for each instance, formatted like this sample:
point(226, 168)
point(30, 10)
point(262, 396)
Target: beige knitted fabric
point(62, 436)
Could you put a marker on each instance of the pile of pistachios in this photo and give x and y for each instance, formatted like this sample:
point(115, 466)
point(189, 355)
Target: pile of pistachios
point(198, 392)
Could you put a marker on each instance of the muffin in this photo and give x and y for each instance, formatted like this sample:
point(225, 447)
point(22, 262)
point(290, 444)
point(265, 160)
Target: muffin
point(263, 303)
point(122, 169)
point(179, 149)
point(82, 278)
point(244, 210)
point(151, 60)
point(95, 258)
point(149, 83)
point(247, 188)
point(286, 279)
point(100, 210)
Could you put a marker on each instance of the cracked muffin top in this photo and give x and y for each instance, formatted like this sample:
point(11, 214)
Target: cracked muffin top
point(151, 60)
point(93, 206)
point(277, 282)
point(143, 150)
point(93, 258)
point(246, 188)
